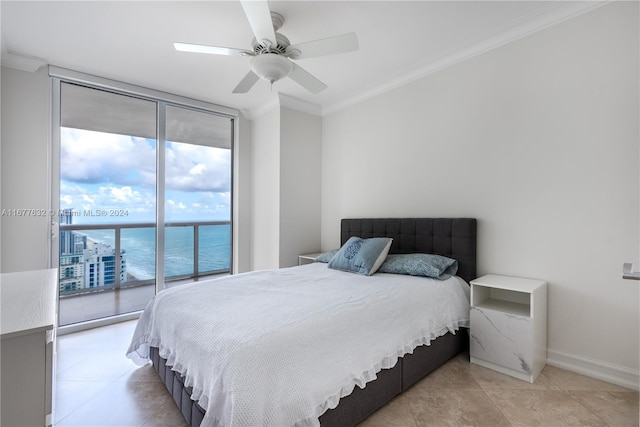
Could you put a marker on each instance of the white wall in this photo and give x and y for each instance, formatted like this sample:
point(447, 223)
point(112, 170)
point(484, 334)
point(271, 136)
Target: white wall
point(539, 140)
point(242, 184)
point(300, 144)
point(25, 169)
point(286, 147)
point(265, 209)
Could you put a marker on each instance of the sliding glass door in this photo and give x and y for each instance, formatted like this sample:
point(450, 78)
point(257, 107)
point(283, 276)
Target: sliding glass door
point(143, 198)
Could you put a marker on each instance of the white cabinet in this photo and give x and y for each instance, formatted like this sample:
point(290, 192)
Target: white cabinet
point(509, 325)
point(28, 317)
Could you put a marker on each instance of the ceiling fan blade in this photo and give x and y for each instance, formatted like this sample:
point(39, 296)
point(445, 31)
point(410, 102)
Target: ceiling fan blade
point(216, 50)
point(260, 21)
point(246, 83)
point(329, 46)
point(306, 80)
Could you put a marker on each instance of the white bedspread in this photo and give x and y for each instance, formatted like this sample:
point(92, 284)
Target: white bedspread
point(279, 347)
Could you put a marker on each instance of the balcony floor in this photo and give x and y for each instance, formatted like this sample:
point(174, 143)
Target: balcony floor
point(86, 307)
point(111, 302)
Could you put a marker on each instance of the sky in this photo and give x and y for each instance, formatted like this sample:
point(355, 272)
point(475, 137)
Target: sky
point(111, 178)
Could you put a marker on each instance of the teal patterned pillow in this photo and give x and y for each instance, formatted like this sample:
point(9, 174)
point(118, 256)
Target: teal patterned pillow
point(325, 256)
point(362, 256)
point(429, 265)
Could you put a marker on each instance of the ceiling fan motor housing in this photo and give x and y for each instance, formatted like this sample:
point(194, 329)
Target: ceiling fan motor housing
point(265, 46)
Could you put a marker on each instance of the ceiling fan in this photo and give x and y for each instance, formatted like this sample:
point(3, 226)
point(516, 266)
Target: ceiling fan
point(272, 52)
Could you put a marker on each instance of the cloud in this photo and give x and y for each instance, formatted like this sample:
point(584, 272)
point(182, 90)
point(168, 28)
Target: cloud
point(66, 199)
point(87, 199)
point(200, 206)
point(196, 168)
point(93, 197)
point(109, 171)
point(97, 157)
point(122, 194)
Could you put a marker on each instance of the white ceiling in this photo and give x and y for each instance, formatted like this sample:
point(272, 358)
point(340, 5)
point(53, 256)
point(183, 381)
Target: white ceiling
point(399, 41)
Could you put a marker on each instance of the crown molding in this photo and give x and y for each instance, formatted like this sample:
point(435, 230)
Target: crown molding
point(19, 62)
point(279, 101)
point(299, 105)
point(23, 63)
point(554, 14)
point(261, 110)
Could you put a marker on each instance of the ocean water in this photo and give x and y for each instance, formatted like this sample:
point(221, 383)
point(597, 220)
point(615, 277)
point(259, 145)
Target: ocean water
point(214, 242)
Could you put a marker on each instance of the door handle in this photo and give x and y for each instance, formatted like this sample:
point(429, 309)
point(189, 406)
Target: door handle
point(628, 273)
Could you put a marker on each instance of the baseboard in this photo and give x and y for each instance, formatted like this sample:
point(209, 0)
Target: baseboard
point(597, 369)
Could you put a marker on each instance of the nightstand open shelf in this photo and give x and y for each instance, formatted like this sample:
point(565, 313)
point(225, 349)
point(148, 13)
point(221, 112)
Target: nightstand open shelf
point(505, 301)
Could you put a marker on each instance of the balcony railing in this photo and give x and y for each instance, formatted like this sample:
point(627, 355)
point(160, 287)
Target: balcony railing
point(106, 270)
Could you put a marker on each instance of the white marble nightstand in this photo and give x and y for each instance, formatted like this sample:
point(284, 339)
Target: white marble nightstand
point(509, 325)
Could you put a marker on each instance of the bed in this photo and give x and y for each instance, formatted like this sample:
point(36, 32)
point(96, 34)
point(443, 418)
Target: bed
point(365, 391)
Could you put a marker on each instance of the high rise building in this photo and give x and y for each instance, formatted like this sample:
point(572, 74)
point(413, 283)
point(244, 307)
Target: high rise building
point(84, 263)
point(72, 246)
point(100, 265)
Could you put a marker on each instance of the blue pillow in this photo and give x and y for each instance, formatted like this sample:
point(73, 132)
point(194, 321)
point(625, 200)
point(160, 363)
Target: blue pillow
point(429, 265)
point(325, 256)
point(362, 256)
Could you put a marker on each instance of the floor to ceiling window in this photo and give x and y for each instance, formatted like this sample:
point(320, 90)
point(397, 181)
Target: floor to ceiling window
point(197, 185)
point(143, 193)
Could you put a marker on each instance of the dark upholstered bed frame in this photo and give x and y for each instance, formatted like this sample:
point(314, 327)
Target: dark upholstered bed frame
point(451, 237)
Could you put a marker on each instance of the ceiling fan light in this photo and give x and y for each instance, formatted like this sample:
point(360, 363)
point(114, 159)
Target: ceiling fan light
point(271, 67)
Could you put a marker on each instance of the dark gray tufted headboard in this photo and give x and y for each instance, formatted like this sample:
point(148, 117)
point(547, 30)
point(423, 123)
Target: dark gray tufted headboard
point(451, 237)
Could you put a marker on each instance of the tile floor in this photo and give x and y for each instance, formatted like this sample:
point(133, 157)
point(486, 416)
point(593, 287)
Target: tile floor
point(98, 386)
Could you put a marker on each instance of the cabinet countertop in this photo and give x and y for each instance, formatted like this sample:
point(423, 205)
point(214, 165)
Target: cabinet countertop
point(508, 283)
point(28, 302)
